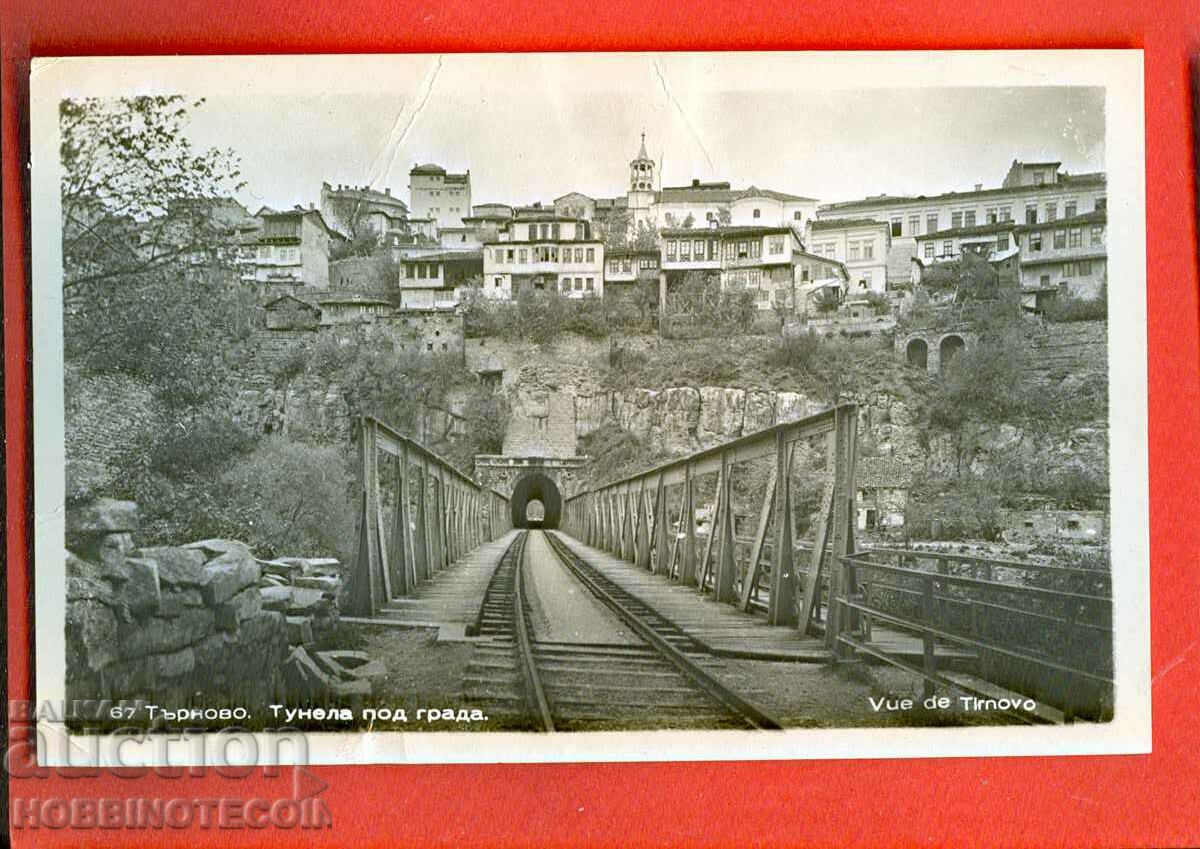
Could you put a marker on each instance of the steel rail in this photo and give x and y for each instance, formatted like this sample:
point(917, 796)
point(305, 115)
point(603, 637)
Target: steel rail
point(715, 689)
point(535, 692)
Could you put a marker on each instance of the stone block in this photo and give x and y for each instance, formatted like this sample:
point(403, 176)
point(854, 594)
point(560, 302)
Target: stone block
point(174, 600)
point(80, 568)
point(242, 606)
point(141, 590)
point(299, 630)
point(303, 679)
point(182, 567)
point(276, 598)
point(345, 663)
point(305, 600)
point(313, 565)
point(217, 547)
point(159, 635)
point(229, 574)
point(326, 583)
point(174, 664)
point(760, 411)
point(102, 516)
point(91, 635)
point(107, 549)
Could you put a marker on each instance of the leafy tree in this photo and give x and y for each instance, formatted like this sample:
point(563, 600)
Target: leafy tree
point(645, 237)
point(149, 246)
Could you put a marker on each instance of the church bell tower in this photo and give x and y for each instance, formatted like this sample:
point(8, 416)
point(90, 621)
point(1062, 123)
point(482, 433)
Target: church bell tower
point(641, 194)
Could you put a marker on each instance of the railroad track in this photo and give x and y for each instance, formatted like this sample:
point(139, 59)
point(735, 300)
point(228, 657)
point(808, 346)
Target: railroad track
point(665, 681)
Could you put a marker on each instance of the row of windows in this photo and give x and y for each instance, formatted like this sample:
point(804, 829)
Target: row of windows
point(451, 192)
point(991, 215)
point(686, 250)
point(543, 253)
point(283, 254)
point(616, 265)
point(1079, 268)
point(422, 270)
point(1068, 238)
point(582, 284)
point(861, 249)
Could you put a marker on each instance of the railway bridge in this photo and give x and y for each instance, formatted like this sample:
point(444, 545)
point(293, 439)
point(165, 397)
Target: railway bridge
point(634, 592)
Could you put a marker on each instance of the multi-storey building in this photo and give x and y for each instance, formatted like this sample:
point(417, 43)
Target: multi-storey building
point(769, 261)
point(291, 248)
point(543, 251)
point(1067, 256)
point(626, 267)
point(860, 244)
point(357, 210)
point(1031, 193)
point(439, 195)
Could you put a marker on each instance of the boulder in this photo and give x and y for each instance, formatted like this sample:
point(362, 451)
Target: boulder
point(305, 600)
point(304, 680)
point(242, 606)
point(80, 568)
point(313, 565)
point(182, 567)
point(91, 635)
point(174, 664)
point(345, 663)
point(102, 516)
point(107, 549)
point(228, 574)
point(327, 583)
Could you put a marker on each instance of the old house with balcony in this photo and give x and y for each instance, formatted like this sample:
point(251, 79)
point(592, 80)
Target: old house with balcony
point(432, 281)
point(626, 267)
point(1065, 257)
point(290, 250)
point(990, 241)
point(543, 251)
point(360, 210)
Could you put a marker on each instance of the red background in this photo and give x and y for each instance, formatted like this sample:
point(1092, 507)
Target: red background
point(1142, 800)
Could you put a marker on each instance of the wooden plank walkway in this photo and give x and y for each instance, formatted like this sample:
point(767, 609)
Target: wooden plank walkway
point(451, 599)
point(727, 631)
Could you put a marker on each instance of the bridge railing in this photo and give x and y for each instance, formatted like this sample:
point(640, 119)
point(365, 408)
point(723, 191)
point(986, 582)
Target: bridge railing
point(651, 517)
point(417, 514)
point(1042, 630)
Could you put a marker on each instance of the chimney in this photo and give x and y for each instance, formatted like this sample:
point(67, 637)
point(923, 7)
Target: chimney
point(387, 190)
point(979, 187)
point(695, 183)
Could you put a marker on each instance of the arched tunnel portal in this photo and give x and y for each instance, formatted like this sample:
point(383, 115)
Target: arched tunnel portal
point(536, 486)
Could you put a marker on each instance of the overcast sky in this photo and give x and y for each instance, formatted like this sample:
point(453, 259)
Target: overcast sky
point(535, 127)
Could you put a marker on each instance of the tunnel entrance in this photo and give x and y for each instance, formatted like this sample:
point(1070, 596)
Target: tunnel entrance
point(536, 502)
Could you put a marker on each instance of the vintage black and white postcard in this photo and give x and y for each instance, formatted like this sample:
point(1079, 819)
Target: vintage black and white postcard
point(687, 406)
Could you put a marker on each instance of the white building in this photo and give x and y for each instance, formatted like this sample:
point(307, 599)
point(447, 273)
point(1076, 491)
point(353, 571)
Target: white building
point(438, 195)
point(543, 252)
point(861, 245)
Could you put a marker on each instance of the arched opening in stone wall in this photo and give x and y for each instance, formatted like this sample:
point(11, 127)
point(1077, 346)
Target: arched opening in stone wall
point(536, 486)
point(917, 353)
point(949, 349)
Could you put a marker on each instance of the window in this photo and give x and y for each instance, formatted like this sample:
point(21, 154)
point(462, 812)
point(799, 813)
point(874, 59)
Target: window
point(1006, 213)
point(511, 254)
point(1039, 178)
point(931, 222)
point(627, 265)
point(956, 219)
point(1031, 213)
point(565, 284)
point(1101, 203)
point(522, 255)
point(420, 271)
point(855, 250)
point(1052, 211)
point(671, 251)
point(1035, 243)
point(797, 216)
point(742, 250)
point(578, 284)
point(579, 254)
point(969, 218)
point(947, 248)
point(497, 282)
point(685, 250)
point(991, 215)
point(775, 245)
point(804, 273)
point(554, 231)
point(756, 248)
point(868, 249)
point(591, 284)
point(1002, 242)
point(914, 224)
point(1075, 237)
point(591, 254)
point(698, 249)
point(1060, 239)
point(1097, 235)
point(614, 266)
point(866, 279)
point(1069, 209)
point(757, 213)
point(929, 247)
point(897, 227)
point(1070, 269)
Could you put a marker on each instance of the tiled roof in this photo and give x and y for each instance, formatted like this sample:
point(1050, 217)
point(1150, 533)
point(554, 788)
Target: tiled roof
point(347, 298)
point(754, 191)
point(724, 232)
point(1064, 181)
point(448, 256)
point(843, 223)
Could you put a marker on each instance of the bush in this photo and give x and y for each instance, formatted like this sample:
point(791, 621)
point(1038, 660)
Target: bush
point(288, 498)
point(1070, 308)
